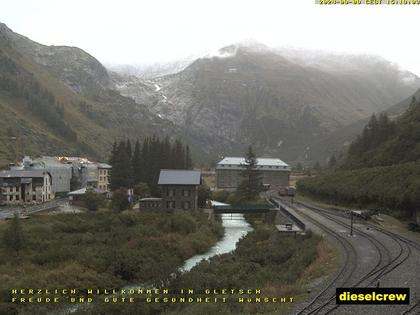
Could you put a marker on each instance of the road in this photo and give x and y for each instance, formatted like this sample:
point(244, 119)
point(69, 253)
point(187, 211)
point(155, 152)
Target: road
point(7, 213)
point(371, 256)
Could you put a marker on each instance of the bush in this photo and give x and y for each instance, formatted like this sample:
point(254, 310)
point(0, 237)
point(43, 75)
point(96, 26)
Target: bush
point(142, 190)
point(120, 200)
point(93, 200)
point(204, 194)
point(220, 195)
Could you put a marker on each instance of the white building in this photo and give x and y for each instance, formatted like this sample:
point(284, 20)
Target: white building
point(274, 172)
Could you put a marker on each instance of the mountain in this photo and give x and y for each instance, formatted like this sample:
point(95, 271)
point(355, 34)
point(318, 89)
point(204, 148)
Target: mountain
point(381, 169)
point(154, 70)
point(384, 142)
point(62, 101)
point(282, 101)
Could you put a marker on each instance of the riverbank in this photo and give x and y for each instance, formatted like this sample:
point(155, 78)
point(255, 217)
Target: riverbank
point(104, 249)
point(276, 270)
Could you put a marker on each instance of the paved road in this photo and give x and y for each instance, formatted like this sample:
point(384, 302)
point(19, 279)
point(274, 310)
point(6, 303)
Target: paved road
point(7, 213)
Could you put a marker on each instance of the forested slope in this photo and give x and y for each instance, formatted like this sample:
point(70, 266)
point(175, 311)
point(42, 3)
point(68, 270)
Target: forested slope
point(382, 167)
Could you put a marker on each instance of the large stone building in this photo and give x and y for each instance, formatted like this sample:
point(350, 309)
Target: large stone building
point(104, 172)
point(25, 187)
point(88, 174)
point(275, 173)
point(61, 173)
point(179, 189)
point(69, 173)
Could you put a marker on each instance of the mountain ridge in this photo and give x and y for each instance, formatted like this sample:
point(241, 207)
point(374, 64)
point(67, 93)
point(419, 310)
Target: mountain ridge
point(245, 95)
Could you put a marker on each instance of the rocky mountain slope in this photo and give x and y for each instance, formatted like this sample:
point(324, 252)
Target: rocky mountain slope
point(64, 101)
point(283, 101)
point(38, 81)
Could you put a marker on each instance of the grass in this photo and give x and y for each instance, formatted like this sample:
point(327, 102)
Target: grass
point(278, 266)
point(390, 223)
point(104, 249)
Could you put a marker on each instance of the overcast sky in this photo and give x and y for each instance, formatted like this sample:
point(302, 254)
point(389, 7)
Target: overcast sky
point(141, 32)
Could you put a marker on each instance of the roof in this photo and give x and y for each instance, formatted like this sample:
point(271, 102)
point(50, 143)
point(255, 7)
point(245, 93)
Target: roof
point(83, 191)
point(22, 173)
point(179, 177)
point(261, 161)
point(104, 165)
point(150, 199)
point(218, 203)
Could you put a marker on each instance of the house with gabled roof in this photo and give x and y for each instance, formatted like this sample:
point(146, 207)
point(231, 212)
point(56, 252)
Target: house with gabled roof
point(179, 189)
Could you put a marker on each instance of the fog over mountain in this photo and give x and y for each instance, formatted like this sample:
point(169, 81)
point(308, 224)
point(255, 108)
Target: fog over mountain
point(287, 103)
point(283, 100)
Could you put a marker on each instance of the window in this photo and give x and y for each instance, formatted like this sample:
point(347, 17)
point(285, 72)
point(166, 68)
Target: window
point(170, 192)
point(186, 205)
point(170, 204)
point(186, 192)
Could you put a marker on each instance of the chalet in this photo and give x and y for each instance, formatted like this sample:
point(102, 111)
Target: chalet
point(179, 188)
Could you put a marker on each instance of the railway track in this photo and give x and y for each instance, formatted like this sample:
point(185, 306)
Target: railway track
point(385, 264)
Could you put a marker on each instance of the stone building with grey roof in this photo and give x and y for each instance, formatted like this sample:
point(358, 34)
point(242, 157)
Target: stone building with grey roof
point(275, 173)
point(19, 187)
point(179, 189)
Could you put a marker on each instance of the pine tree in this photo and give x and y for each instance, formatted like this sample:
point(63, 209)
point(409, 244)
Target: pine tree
point(122, 169)
point(332, 162)
point(13, 237)
point(129, 148)
point(188, 160)
point(137, 163)
point(251, 186)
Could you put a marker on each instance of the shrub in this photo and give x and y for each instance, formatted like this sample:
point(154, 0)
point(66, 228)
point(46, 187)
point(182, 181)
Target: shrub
point(93, 200)
point(120, 200)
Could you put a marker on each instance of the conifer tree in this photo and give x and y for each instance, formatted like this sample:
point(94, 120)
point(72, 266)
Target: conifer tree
point(332, 161)
point(137, 164)
point(251, 186)
point(13, 237)
point(129, 148)
point(122, 170)
point(188, 160)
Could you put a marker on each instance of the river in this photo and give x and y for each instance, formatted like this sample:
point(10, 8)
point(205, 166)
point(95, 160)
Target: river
point(235, 227)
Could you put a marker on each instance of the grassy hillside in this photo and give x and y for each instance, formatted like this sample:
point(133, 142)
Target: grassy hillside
point(394, 189)
point(57, 98)
point(385, 142)
point(382, 168)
